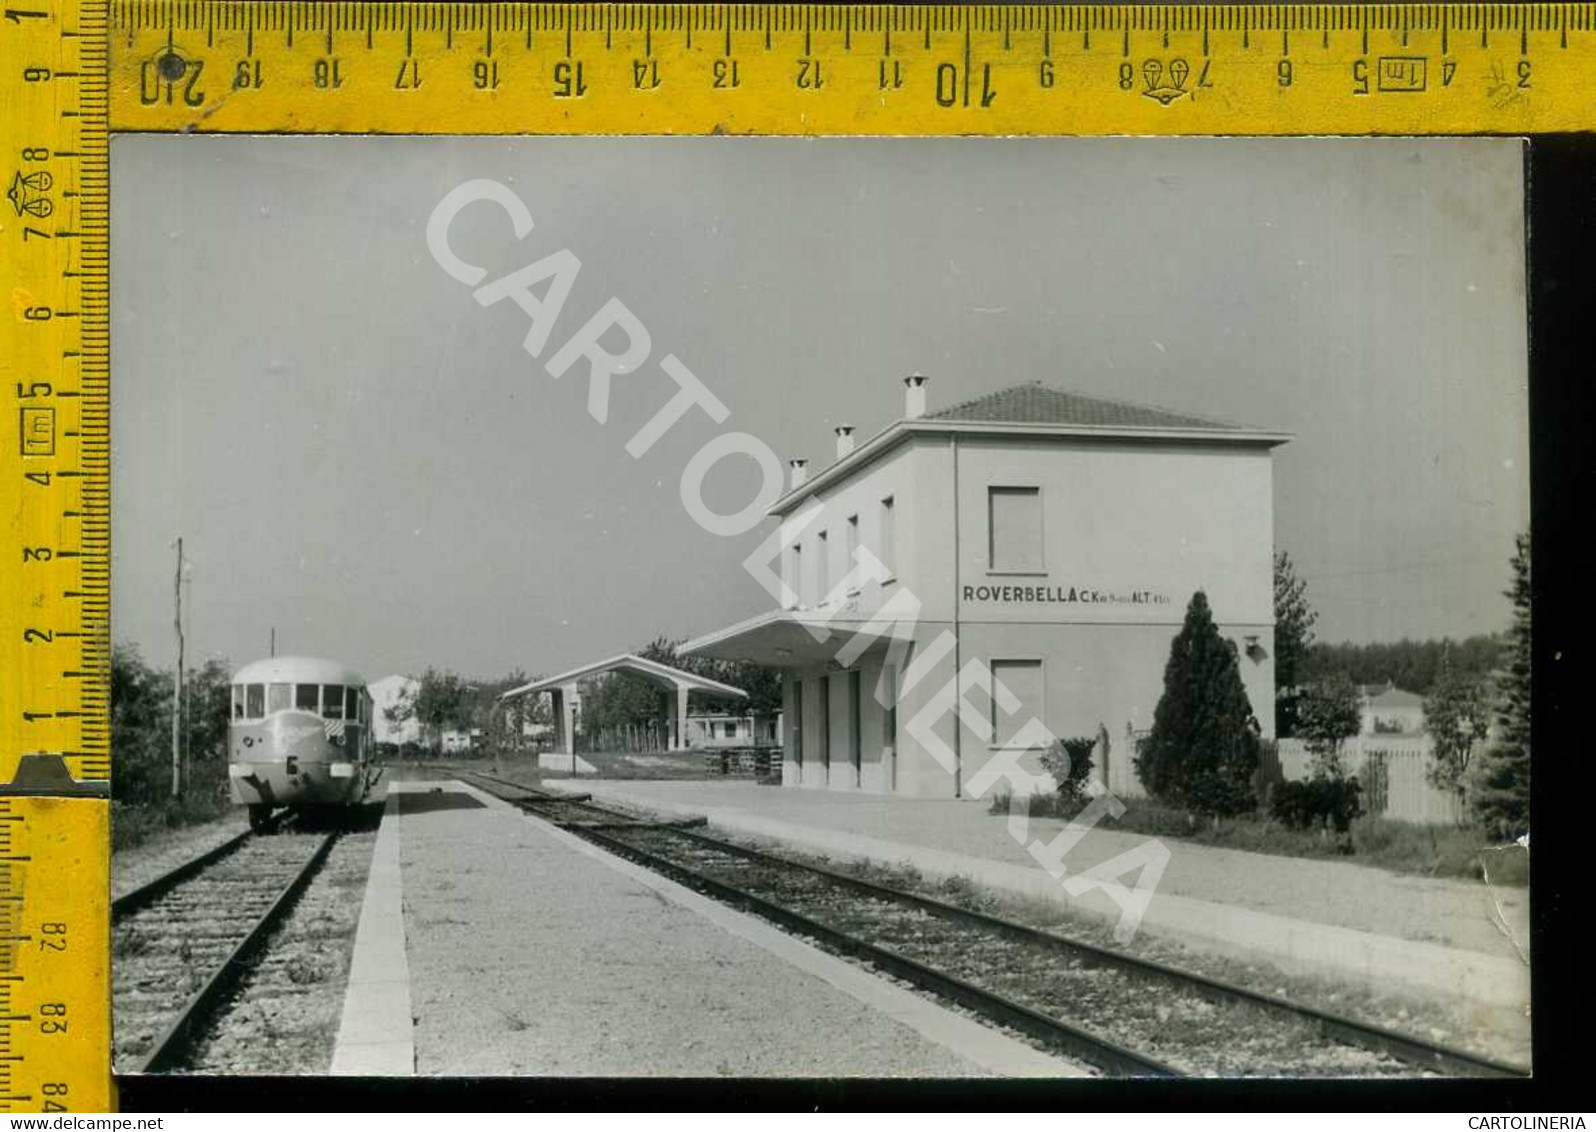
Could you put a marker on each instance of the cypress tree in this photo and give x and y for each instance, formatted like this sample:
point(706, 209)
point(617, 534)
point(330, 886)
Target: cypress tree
point(1203, 748)
point(1501, 794)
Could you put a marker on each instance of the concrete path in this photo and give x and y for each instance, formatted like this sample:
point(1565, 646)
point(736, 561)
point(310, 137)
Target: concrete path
point(1308, 916)
point(528, 951)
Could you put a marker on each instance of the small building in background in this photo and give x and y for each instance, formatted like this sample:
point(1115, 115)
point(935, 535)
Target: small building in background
point(726, 730)
point(1385, 709)
point(459, 742)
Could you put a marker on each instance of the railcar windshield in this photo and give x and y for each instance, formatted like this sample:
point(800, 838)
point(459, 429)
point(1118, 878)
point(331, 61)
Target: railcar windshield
point(330, 701)
point(249, 701)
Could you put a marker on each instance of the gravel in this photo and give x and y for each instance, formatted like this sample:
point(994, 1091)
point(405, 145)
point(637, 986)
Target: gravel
point(165, 851)
point(162, 954)
point(1178, 1027)
point(284, 1016)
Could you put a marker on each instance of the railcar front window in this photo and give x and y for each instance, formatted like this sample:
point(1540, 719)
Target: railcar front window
point(238, 701)
point(305, 697)
point(254, 701)
point(279, 697)
point(332, 701)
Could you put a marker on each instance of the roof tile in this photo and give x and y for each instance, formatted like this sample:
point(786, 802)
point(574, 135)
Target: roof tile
point(1035, 403)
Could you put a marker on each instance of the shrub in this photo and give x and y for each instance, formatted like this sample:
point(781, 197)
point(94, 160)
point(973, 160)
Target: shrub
point(1318, 803)
point(1202, 751)
point(1069, 761)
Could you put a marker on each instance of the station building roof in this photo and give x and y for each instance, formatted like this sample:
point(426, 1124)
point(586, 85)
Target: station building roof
point(1034, 409)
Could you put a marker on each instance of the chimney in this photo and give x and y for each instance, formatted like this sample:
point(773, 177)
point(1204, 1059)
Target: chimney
point(800, 471)
point(844, 440)
point(914, 396)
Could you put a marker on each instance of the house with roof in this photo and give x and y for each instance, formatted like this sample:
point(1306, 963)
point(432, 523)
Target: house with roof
point(1385, 709)
point(1055, 537)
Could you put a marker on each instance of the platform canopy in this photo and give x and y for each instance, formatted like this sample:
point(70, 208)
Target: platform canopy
point(662, 674)
point(563, 688)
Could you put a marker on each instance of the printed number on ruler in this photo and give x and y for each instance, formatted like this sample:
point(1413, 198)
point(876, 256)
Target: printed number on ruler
point(794, 69)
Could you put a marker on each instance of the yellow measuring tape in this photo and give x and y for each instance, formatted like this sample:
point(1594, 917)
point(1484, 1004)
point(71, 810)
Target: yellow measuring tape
point(72, 71)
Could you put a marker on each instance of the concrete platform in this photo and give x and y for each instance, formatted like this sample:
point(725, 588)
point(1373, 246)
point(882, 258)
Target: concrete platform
point(494, 943)
point(1319, 918)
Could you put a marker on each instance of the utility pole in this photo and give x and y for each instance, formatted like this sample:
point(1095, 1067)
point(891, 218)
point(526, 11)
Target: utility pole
point(177, 683)
point(274, 641)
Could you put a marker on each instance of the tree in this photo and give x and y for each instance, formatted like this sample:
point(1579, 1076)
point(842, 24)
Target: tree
point(1456, 718)
point(442, 703)
point(763, 685)
point(1501, 794)
point(1202, 751)
point(1327, 716)
point(141, 723)
point(1294, 619)
point(141, 706)
point(1410, 665)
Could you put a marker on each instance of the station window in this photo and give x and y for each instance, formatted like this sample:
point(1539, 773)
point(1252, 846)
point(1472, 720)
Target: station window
point(305, 696)
point(795, 579)
point(852, 548)
point(822, 567)
point(332, 701)
point(1014, 528)
point(1024, 679)
point(254, 701)
point(887, 551)
point(279, 697)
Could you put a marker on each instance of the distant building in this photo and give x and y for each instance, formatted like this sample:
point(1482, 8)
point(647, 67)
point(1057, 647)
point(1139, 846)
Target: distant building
point(726, 730)
point(386, 694)
point(456, 742)
point(1057, 538)
point(1385, 709)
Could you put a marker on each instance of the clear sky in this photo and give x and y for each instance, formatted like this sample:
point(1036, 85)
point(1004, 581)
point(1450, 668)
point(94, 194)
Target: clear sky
point(359, 455)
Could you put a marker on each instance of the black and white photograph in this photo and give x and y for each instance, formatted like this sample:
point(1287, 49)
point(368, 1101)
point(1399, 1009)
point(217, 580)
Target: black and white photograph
point(868, 608)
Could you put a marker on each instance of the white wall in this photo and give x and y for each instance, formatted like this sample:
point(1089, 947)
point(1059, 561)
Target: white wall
point(1140, 527)
point(1120, 518)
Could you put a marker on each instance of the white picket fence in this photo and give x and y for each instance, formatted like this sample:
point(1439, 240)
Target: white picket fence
point(1394, 771)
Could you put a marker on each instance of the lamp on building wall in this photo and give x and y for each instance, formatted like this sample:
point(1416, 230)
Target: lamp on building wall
point(1255, 651)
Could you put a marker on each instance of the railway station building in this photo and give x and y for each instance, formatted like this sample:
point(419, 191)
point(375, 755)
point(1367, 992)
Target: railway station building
point(1057, 537)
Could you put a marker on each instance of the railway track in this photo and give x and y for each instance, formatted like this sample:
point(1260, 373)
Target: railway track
point(1120, 1013)
point(181, 943)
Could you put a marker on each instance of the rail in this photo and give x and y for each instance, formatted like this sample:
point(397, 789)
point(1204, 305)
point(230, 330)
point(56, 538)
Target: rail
point(1405, 1048)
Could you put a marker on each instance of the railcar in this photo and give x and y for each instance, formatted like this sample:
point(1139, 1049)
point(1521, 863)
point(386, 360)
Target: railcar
point(300, 736)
